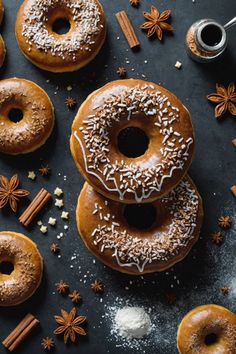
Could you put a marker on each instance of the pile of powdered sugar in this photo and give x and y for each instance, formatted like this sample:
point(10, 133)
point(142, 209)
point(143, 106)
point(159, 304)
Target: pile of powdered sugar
point(132, 322)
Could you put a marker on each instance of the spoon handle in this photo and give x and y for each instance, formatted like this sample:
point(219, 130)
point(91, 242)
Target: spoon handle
point(229, 24)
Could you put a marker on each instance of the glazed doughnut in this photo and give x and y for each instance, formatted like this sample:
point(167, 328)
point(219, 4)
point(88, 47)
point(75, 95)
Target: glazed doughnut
point(2, 51)
point(140, 238)
point(132, 141)
point(25, 277)
point(208, 329)
point(55, 52)
point(34, 119)
point(1, 11)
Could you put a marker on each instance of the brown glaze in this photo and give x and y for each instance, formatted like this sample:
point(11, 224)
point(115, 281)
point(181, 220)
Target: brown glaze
point(37, 123)
point(94, 211)
point(43, 55)
point(152, 157)
point(28, 267)
point(204, 321)
point(2, 51)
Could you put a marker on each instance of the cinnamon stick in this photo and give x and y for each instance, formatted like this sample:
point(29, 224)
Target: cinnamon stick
point(19, 334)
point(127, 29)
point(35, 207)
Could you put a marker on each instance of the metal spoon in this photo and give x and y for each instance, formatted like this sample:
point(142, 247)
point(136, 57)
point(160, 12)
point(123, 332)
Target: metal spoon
point(229, 24)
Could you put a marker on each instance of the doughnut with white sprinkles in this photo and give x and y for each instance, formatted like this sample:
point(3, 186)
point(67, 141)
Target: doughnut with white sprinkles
point(52, 51)
point(126, 248)
point(132, 103)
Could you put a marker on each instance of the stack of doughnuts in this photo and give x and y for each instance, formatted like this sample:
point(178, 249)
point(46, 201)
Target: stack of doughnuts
point(138, 211)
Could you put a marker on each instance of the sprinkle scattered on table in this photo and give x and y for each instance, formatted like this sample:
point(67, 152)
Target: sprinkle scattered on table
point(178, 65)
point(59, 203)
point(58, 192)
point(65, 215)
point(43, 229)
point(52, 221)
point(31, 175)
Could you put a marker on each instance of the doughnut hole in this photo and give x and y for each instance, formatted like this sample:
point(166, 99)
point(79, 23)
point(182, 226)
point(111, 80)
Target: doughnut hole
point(60, 22)
point(132, 142)
point(15, 115)
point(210, 339)
point(6, 267)
point(140, 216)
point(61, 26)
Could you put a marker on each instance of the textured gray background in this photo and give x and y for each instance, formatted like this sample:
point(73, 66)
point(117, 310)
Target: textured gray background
point(197, 279)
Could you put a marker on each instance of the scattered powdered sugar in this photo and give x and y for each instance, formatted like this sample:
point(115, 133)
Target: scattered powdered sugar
point(132, 322)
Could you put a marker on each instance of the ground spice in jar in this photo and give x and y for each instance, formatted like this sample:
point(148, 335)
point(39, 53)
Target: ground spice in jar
point(206, 40)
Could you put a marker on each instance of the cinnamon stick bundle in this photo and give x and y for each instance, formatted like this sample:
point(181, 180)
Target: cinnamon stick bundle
point(35, 207)
point(21, 332)
point(127, 29)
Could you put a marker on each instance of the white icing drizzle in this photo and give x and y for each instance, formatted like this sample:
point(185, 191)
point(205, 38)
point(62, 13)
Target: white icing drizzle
point(116, 189)
point(182, 204)
point(130, 178)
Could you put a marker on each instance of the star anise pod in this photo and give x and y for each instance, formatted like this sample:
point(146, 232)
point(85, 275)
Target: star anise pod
point(225, 290)
point(55, 248)
point(121, 71)
point(9, 192)
point(69, 325)
point(44, 170)
point(47, 343)
point(75, 296)
point(62, 287)
point(134, 2)
point(217, 237)
point(70, 102)
point(97, 286)
point(225, 99)
point(171, 298)
point(224, 222)
point(156, 22)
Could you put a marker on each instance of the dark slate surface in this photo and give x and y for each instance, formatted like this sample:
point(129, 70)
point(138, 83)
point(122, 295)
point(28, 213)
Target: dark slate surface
point(197, 279)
